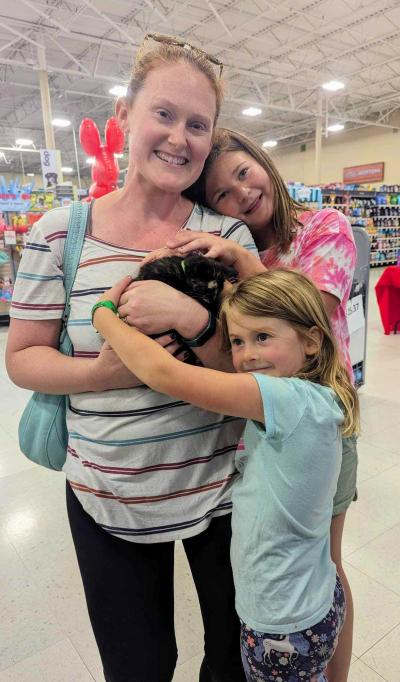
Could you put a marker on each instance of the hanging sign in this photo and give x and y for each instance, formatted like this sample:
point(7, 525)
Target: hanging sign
point(51, 167)
point(369, 172)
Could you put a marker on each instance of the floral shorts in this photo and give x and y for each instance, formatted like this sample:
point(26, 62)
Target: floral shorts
point(298, 657)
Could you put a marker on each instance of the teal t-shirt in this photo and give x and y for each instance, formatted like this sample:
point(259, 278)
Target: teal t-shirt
point(282, 507)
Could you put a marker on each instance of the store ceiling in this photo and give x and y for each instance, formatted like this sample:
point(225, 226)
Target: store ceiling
point(277, 53)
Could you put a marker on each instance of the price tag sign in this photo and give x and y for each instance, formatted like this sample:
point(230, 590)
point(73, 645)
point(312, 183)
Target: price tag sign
point(10, 237)
point(355, 313)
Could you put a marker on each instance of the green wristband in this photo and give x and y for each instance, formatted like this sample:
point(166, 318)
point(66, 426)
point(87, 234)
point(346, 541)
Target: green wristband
point(104, 304)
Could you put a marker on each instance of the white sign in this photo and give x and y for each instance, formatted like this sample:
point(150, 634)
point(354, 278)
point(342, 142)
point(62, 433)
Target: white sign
point(10, 237)
point(51, 167)
point(355, 313)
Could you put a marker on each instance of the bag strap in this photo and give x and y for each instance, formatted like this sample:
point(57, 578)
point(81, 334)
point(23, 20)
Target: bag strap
point(72, 252)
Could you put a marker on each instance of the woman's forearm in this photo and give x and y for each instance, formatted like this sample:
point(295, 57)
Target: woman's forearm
point(45, 369)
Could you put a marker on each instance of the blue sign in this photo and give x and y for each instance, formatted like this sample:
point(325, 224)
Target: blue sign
point(14, 196)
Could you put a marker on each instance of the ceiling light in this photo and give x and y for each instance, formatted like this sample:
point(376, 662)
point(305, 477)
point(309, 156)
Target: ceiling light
point(90, 160)
point(67, 169)
point(252, 111)
point(270, 143)
point(118, 90)
point(335, 127)
point(23, 142)
point(61, 122)
point(30, 175)
point(332, 86)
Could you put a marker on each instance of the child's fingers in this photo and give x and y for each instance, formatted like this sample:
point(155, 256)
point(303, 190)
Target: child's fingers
point(155, 255)
point(115, 292)
point(199, 244)
point(183, 237)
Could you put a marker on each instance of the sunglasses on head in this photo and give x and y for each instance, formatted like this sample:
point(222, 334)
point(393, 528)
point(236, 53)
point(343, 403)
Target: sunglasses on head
point(170, 40)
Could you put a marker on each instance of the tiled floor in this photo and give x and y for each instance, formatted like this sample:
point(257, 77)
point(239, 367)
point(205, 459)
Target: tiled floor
point(44, 630)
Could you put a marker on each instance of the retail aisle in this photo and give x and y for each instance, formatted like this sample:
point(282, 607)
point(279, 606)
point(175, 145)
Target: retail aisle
point(45, 633)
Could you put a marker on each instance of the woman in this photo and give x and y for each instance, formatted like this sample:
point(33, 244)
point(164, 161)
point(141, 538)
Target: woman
point(240, 180)
point(142, 470)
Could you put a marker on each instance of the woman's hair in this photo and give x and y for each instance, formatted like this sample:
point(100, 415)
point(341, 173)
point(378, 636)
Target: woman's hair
point(289, 295)
point(284, 220)
point(152, 54)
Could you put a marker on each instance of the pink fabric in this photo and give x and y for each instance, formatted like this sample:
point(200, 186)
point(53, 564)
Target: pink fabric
point(325, 251)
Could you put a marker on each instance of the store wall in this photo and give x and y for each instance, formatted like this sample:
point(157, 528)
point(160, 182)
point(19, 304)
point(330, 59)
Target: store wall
point(365, 145)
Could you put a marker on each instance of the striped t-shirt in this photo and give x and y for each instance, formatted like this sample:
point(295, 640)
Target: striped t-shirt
point(147, 468)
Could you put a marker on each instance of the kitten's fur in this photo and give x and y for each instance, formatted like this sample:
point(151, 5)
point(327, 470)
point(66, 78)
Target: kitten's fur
point(196, 276)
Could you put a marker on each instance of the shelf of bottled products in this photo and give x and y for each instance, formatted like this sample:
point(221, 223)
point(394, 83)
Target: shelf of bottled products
point(378, 213)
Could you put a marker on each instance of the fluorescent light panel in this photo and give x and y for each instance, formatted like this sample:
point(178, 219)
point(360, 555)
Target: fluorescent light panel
point(252, 111)
point(335, 127)
point(333, 86)
point(118, 90)
point(23, 142)
point(61, 122)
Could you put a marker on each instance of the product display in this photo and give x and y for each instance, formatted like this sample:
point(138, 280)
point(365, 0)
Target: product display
point(20, 207)
point(378, 212)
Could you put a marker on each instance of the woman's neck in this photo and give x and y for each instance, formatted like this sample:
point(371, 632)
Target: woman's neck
point(149, 203)
point(134, 218)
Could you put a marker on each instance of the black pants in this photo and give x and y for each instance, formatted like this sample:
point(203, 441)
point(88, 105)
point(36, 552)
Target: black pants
point(130, 598)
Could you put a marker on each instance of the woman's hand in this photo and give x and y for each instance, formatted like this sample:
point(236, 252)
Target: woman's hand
point(154, 307)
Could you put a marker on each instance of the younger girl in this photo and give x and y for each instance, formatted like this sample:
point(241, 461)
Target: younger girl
point(240, 180)
point(299, 400)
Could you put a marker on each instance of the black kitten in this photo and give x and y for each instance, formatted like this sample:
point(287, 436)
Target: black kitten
point(196, 276)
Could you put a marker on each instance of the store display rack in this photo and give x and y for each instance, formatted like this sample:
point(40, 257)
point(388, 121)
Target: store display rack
point(378, 213)
point(19, 210)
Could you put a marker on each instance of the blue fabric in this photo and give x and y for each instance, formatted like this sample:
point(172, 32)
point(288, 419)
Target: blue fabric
point(282, 507)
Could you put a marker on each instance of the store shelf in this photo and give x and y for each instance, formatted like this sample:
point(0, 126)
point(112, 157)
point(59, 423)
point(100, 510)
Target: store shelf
point(376, 263)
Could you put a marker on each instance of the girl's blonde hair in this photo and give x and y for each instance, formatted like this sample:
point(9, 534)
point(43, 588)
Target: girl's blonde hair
point(289, 295)
point(284, 220)
point(152, 54)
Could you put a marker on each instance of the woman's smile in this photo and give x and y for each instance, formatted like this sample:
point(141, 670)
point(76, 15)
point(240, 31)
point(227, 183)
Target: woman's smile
point(173, 160)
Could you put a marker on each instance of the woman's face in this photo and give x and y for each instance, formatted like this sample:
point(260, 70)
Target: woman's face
point(238, 186)
point(170, 126)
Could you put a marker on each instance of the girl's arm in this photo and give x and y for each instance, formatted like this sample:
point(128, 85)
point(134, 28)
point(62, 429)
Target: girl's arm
point(232, 394)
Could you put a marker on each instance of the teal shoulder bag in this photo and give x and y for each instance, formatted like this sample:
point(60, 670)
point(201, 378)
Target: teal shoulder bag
point(42, 430)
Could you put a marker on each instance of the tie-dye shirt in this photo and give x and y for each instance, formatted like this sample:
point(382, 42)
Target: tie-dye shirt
point(324, 249)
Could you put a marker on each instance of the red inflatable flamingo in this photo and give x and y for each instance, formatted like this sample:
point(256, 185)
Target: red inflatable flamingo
point(105, 170)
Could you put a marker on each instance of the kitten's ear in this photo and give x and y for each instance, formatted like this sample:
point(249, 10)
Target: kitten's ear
point(228, 271)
